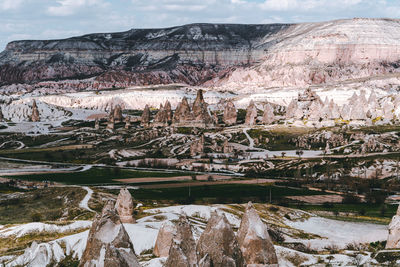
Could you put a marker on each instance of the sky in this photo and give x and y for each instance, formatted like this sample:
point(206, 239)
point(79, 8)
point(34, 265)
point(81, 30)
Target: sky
point(52, 19)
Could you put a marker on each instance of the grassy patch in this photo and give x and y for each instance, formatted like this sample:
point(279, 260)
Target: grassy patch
point(362, 212)
point(41, 205)
point(96, 176)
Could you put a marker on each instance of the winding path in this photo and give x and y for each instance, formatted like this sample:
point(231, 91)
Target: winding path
point(85, 200)
point(251, 141)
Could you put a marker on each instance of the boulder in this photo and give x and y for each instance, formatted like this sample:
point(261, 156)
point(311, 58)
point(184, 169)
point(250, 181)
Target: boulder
point(164, 240)
point(230, 113)
point(35, 112)
point(183, 247)
point(145, 119)
point(251, 114)
point(218, 246)
point(108, 243)
point(254, 240)
point(393, 240)
point(124, 206)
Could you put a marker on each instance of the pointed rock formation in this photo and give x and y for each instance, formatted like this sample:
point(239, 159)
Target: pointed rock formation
point(161, 116)
point(108, 243)
point(393, 240)
point(164, 240)
point(35, 112)
point(291, 109)
point(230, 113)
point(96, 124)
point(215, 118)
point(183, 113)
point(127, 122)
point(200, 109)
point(145, 120)
point(124, 206)
point(117, 113)
point(183, 247)
point(217, 245)
point(197, 147)
point(268, 116)
point(110, 123)
point(168, 111)
point(251, 114)
point(228, 148)
point(254, 240)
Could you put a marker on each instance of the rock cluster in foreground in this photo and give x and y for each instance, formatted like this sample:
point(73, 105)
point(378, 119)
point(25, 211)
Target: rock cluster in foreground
point(393, 240)
point(108, 242)
point(218, 246)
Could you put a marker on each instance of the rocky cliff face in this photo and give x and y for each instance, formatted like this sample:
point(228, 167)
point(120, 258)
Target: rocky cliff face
point(138, 56)
point(226, 55)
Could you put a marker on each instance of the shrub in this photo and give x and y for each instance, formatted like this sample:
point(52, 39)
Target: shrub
point(36, 217)
point(351, 199)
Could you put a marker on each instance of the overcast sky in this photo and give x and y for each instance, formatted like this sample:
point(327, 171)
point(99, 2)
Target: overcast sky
point(50, 19)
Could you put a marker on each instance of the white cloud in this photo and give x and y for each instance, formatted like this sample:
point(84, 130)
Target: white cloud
point(10, 4)
point(184, 8)
point(307, 5)
point(70, 7)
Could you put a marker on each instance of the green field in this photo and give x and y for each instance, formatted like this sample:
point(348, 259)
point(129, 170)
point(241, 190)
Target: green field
point(209, 194)
point(95, 176)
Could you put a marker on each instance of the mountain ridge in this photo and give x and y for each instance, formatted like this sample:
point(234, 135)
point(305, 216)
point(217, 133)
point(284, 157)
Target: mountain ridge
point(210, 54)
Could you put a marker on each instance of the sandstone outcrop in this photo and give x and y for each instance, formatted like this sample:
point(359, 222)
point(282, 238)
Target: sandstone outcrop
point(127, 122)
point(161, 117)
point(183, 112)
point(96, 124)
point(268, 115)
point(108, 242)
point(35, 112)
point(197, 146)
point(254, 240)
point(110, 123)
point(168, 111)
point(218, 246)
point(183, 247)
point(200, 109)
point(227, 148)
point(118, 113)
point(393, 240)
point(145, 119)
point(164, 240)
point(251, 114)
point(230, 55)
point(230, 113)
point(124, 206)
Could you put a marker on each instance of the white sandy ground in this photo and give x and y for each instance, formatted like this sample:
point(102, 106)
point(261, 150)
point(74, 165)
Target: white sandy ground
point(84, 203)
point(143, 235)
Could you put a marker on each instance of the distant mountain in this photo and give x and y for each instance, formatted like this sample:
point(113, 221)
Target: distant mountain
point(210, 54)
